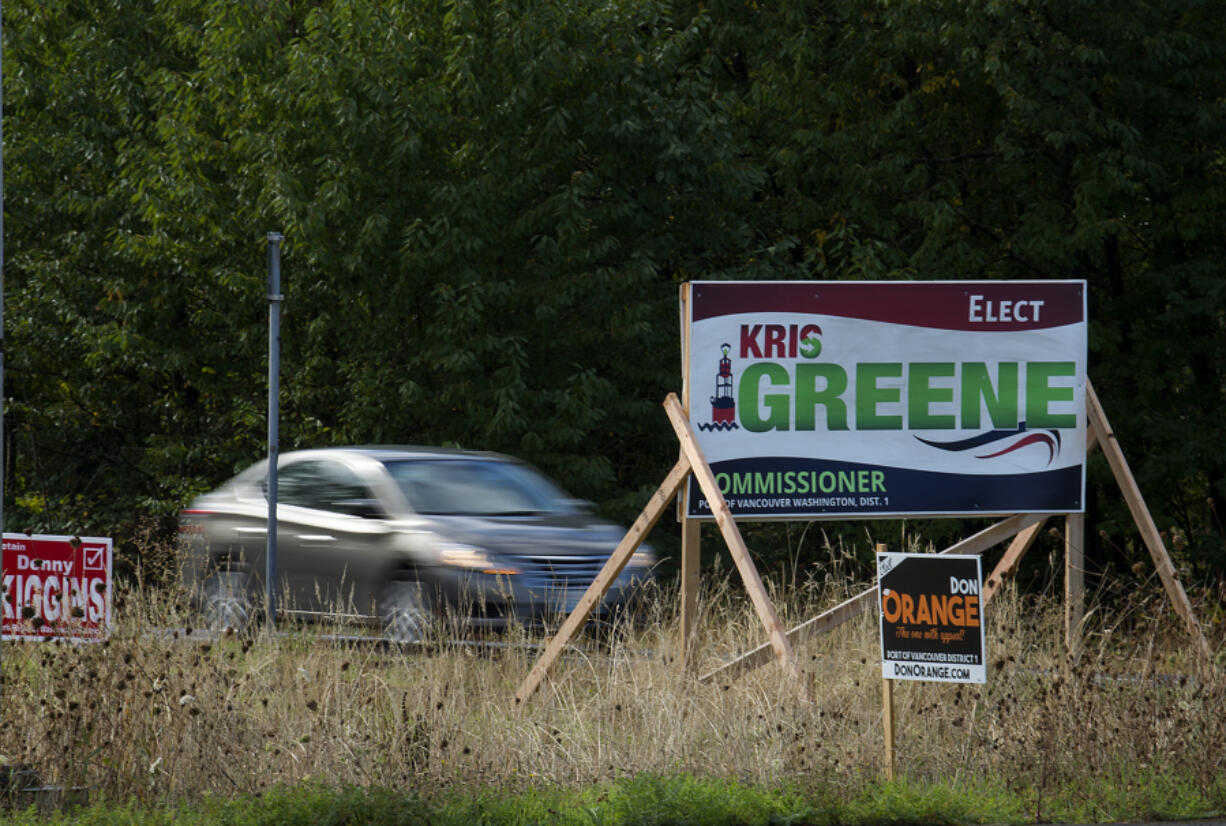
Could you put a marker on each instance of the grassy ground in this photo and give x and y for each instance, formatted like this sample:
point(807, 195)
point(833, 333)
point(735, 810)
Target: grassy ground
point(1133, 730)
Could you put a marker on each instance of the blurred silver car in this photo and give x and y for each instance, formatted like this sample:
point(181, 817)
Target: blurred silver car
point(399, 536)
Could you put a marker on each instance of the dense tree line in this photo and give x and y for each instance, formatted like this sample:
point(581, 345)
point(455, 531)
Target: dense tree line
point(490, 204)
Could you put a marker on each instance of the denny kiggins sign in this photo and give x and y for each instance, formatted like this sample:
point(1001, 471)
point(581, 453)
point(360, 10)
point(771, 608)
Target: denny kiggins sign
point(931, 617)
point(825, 399)
point(56, 587)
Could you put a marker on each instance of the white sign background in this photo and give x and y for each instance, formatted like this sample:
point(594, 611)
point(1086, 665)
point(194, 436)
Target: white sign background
point(980, 470)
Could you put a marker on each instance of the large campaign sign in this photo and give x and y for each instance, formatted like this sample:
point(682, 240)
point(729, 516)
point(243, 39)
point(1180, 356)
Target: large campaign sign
point(56, 587)
point(839, 399)
point(931, 617)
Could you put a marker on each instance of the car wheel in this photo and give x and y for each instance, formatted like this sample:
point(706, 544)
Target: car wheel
point(405, 611)
point(225, 601)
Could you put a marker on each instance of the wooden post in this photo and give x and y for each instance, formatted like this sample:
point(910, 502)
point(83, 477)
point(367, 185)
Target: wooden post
point(691, 537)
point(691, 529)
point(611, 570)
point(887, 719)
point(736, 545)
point(887, 710)
point(1144, 522)
point(1074, 583)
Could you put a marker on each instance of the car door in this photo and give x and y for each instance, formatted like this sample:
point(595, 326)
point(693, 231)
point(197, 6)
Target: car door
point(329, 536)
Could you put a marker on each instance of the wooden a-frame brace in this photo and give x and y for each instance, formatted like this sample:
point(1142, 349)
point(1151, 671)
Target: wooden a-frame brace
point(691, 461)
point(1023, 529)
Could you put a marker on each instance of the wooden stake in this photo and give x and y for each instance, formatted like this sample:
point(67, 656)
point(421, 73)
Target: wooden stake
point(685, 374)
point(610, 572)
point(736, 545)
point(887, 719)
point(691, 529)
point(1144, 522)
point(1074, 583)
point(691, 537)
point(887, 709)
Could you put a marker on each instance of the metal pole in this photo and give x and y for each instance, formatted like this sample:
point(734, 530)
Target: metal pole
point(274, 395)
point(2, 456)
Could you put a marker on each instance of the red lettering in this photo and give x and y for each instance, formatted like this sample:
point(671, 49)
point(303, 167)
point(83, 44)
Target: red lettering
point(776, 347)
point(749, 341)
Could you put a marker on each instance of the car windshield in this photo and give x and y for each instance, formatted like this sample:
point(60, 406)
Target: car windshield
point(475, 487)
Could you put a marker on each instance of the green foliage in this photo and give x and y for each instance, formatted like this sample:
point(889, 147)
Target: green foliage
point(651, 800)
point(905, 801)
point(489, 207)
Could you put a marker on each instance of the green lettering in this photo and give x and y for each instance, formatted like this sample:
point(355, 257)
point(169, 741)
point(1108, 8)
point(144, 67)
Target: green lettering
point(1040, 395)
point(978, 392)
point(869, 395)
point(921, 395)
point(750, 391)
point(808, 397)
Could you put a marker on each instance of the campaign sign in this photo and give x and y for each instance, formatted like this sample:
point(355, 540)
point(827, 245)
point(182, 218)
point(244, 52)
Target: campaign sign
point(931, 617)
point(853, 399)
point(56, 587)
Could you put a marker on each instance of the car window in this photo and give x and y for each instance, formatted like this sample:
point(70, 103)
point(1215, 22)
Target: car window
point(319, 484)
point(472, 487)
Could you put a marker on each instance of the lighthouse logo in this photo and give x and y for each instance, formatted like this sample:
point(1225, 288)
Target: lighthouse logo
point(723, 405)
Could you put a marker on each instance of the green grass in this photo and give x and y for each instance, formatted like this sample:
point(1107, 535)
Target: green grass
point(649, 800)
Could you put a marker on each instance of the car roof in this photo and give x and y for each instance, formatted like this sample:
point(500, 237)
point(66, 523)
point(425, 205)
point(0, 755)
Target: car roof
point(379, 453)
point(386, 452)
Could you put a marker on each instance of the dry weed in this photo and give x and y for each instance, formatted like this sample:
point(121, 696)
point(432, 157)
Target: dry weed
point(164, 712)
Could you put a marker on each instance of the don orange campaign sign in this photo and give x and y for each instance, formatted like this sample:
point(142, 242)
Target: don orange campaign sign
point(56, 587)
point(931, 617)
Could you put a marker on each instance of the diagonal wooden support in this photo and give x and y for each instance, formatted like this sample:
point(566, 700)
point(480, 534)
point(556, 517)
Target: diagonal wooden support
point(610, 572)
point(865, 600)
point(779, 643)
point(1007, 566)
point(1144, 522)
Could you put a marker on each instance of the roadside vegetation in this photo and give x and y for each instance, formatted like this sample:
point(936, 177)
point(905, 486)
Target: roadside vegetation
point(169, 719)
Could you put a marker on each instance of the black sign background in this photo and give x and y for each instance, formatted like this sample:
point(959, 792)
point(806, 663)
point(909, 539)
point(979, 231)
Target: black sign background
point(929, 575)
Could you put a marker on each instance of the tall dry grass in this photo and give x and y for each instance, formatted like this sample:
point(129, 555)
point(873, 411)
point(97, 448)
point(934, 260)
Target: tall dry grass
point(161, 712)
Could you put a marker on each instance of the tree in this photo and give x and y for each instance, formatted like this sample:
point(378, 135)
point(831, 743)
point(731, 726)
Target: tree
point(489, 207)
point(1017, 140)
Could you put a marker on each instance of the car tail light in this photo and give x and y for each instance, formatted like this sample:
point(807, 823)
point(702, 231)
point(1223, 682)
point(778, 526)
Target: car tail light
point(190, 520)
